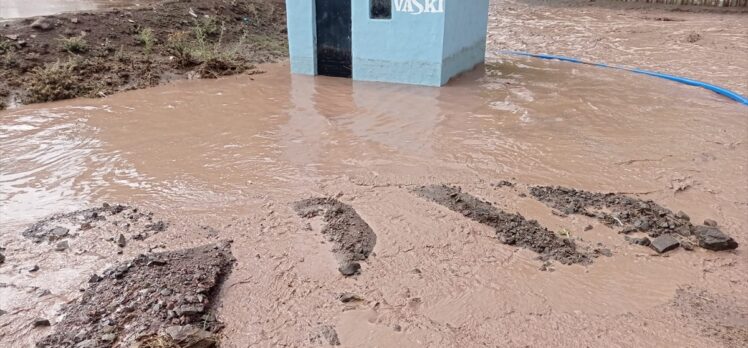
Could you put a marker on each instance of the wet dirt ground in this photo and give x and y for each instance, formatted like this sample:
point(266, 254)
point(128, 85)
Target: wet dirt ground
point(699, 42)
point(230, 159)
point(10, 9)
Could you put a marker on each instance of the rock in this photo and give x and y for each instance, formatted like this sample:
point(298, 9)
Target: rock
point(683, 216)
point(189, 336)
point(710, 223)
point(604, 252)
point(95, 278)
point(664, 243)
point(12, 37)
point(189, 309)
point(325, 334)
point(62, 246)
point(2, 312)
point(712, 238)
point(347, 297)
point(41, 322)
point(687, 245)
point(74, 20)
point(57, 233)
point(2, 259)
point(350, 269)
point(397, 327)
point(121, 241)
point(42, 24)
point(34, 268)
point(86, 344)
point(639, 241)
point(110, 337)
point(588, 228)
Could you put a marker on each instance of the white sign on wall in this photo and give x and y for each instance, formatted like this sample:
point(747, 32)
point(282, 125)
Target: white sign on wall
point(416, 7)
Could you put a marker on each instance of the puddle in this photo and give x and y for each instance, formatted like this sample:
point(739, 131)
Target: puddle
point(228, 158)
point(10, 9)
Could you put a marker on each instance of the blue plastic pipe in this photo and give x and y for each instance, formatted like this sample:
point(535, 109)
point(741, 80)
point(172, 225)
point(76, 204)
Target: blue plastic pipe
point(716, 89)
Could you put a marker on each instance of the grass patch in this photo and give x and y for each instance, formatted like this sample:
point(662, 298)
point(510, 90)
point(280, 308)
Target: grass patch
point(74, 44)
point(146, 39)
point(52, 82)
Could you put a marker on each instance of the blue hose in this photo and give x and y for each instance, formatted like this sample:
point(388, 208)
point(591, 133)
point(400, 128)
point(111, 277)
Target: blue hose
point(716, 89)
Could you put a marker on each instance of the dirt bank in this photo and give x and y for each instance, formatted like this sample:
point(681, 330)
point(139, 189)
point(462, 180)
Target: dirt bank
point(353, 240)
point(511, 229)
point(636, 215)
point(704, 43)
point(95, 54)
point(158, 300)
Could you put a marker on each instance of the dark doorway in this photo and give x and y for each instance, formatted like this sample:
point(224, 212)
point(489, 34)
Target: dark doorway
point(334, 56)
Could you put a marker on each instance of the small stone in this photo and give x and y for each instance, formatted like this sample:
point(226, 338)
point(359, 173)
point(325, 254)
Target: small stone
point(347, 297)
point(86, 344)
point(683, 216)
point(664, 243)
point(687, 246)
point(397, 327)
point(106, 329)
point(121, 241)
point(712, 238)
point(110, 337)
point(34, 268)
point(58, 233)
point(325, 334)
point(639, 241)
point(62, 246)
point(42, 24)
point(588, 228)
point(191, 336)
point(710, 223)
point(350, 269)
point(2, 312)
point(41, 322)
point(12, 37)
point(189, 310)
point(604, 251)
point(95, 278)
point(2, 259)
point(165, 292)
point(74, 20)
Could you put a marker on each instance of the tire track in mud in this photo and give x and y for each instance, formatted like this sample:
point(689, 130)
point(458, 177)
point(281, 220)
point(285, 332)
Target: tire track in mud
point(511, 229)
point(353, 240)
point(636, 215)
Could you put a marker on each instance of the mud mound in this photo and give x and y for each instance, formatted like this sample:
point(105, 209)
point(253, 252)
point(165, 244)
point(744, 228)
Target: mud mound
point(633, 215)
point(131, 222)
point(163, 297)
point(511, 229)
point(351, 236)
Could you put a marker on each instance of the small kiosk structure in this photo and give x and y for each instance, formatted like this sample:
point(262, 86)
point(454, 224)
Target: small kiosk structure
point(422, 42)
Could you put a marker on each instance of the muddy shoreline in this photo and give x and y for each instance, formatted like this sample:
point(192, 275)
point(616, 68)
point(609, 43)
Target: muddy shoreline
point(95, 54)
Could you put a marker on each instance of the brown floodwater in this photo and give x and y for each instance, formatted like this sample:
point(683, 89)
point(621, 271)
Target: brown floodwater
point(234, 153)
point(30, 8)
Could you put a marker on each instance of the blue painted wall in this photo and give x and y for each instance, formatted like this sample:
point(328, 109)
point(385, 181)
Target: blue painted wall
point(404, 49)
point(465, 29)
point(301, 33)
point(424, 49)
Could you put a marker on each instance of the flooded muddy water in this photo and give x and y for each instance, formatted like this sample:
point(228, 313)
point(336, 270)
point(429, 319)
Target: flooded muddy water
point(23, 8)
point(228, 158)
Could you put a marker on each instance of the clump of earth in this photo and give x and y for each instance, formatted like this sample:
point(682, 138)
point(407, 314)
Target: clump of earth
point(353, 240)
point(124, 222)
point(666, 229)
point(158, 300)
point(511, 229)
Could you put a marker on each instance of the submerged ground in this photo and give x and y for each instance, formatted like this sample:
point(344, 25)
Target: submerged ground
point(366, 213)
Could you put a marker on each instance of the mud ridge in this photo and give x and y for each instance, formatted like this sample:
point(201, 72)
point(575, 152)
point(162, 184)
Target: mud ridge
point(353, 240)
point(133, 223)
point(157, 300)
point(635, 215)
point(511, 229)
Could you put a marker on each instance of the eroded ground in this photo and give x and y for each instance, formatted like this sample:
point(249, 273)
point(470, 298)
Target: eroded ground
point(195, 163)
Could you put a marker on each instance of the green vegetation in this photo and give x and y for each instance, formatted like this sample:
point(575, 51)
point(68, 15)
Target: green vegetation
point(147, 39)
point(53, 82)
point(74, 44)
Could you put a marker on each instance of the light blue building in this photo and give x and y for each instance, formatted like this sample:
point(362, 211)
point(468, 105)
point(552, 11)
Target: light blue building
point(424, 42)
